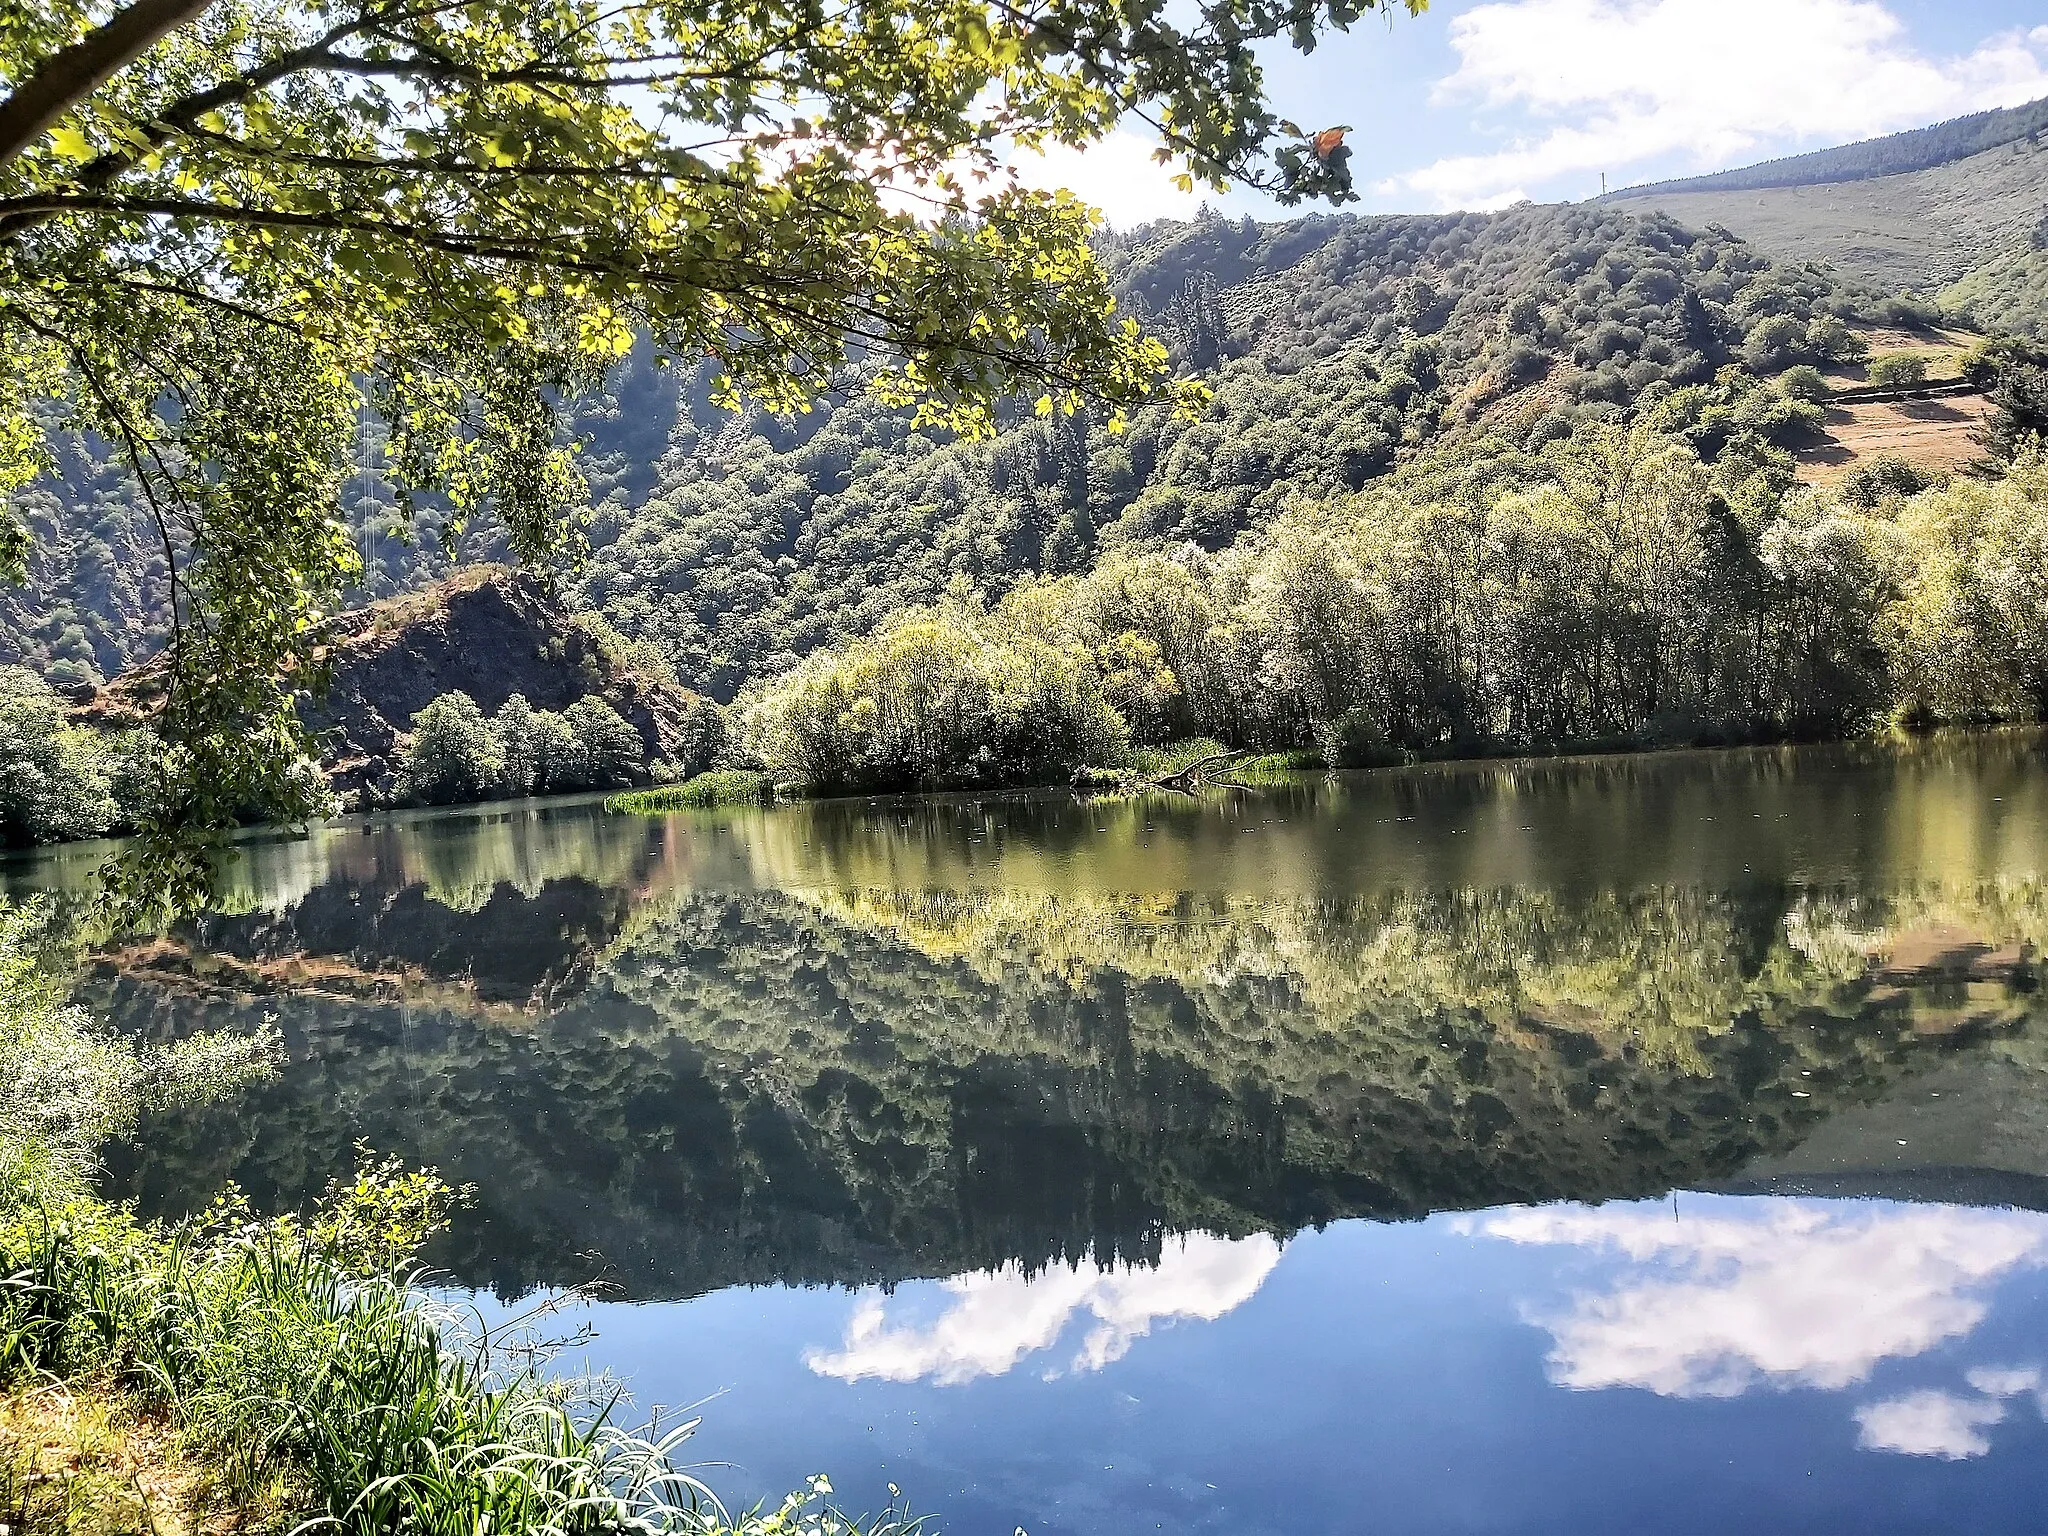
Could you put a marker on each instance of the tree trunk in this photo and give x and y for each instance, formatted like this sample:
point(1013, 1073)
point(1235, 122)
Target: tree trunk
point(71, 74)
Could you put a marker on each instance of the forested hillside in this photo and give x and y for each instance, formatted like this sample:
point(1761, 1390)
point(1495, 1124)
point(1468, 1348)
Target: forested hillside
point(1338, 346)
point(1466, 482)
point(1953, 212)
point(1914, 150)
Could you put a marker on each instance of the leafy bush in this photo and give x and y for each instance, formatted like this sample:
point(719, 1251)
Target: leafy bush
point(453, 756)
point(948, 697)
point(1898, 370)
point(1830, 340)
point(1870, 483)
point(2014, 374)
point(607, 753)
point(519, 735)
point(556, 755)
point(1737, 416)
point(1804, 383)
point(1357, 739)
point(55, 780)
point(1970, 639)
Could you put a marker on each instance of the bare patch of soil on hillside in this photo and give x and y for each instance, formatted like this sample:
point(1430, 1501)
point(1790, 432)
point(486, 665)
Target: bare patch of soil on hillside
point(1934, 435)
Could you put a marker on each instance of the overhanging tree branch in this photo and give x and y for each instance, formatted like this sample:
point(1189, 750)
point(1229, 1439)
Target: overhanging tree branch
point(71, 74)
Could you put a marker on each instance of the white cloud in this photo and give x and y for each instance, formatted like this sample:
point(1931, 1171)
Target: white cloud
point(1117, 176)
point(1929, 1424)
point(1947, 1424)
point(1771, 1292)
point(1607, 85)
point(994, 1320)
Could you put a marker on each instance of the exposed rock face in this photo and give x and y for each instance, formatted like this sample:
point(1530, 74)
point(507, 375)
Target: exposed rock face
point(489, 632)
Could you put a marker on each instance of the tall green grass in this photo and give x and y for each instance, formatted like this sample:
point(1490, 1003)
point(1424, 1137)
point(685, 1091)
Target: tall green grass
point(1173, 757)
point(724, 786)
point(373, 1407)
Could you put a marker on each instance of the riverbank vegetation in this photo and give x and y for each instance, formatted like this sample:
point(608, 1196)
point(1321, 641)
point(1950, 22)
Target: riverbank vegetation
point(1613, 589)
point(267, 1372)
point(455, 755)
point(721, 786)
point(1465, 483)
point(60, 781)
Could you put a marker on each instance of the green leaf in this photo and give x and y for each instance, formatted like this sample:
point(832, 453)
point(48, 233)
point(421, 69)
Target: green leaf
point(72, 145)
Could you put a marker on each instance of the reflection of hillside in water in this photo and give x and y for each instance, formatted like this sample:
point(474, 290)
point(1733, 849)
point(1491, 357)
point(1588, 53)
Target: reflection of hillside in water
point(854, 1084)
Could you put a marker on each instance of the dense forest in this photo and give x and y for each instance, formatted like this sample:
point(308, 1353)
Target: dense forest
point(1893, 155)
point(1339, 348)
point(1614, 589)
point(1470, 482)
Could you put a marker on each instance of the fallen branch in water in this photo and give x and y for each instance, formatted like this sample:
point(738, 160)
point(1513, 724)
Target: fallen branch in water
point(1183, 780)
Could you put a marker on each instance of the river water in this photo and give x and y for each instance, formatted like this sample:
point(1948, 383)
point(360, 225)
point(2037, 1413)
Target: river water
point(1590, 1146)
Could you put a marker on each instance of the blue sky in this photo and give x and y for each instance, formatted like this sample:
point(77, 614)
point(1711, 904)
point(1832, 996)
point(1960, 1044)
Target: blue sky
point(1479, 102)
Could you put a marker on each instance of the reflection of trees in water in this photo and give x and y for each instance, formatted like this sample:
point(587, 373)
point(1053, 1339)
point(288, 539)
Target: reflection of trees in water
point(712, 1088)
point(1882, 815)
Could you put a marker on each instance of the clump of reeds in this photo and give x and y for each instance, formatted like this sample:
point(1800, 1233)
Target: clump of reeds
point(722, 786)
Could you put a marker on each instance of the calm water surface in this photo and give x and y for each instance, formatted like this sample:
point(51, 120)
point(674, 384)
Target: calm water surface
point(1622, 1145)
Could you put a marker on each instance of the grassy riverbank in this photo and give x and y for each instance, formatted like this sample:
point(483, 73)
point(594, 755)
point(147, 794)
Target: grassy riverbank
point(723, 786)
point(277, 1373)
point(1193, 761)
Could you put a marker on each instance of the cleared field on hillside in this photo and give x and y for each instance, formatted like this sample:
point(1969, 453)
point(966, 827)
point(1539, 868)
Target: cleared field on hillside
point(1933, 435)
point(1942, 349)
point(1922, 230)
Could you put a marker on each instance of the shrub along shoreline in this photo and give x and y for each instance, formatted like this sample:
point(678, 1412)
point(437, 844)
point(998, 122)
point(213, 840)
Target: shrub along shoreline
point(291, 1373)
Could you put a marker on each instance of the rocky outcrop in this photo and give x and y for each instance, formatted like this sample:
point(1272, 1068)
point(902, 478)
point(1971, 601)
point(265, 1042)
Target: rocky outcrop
point(489, 632)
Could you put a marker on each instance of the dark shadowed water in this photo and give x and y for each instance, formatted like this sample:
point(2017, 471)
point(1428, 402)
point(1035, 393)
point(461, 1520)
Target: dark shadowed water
point(1628, 1145)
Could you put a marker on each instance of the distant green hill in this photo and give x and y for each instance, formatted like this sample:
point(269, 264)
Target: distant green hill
point(1918, 149)
point(1339, 348)
point(1952, 211)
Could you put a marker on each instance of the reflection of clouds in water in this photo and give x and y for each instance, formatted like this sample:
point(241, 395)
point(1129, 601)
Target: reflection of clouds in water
point(1790, 1293)
point(1929, 1423)
point(993, 1320)
point(2010, 1381)
point(1947, 1424)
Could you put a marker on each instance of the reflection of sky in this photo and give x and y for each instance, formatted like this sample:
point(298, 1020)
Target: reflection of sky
point(1780, 1292)
point(1785, 1293)
point(991, 1322)
point(1789, 1365)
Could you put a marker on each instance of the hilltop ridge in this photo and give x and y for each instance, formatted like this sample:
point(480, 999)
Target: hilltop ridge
point(1957, 212)
point(1916, 149)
